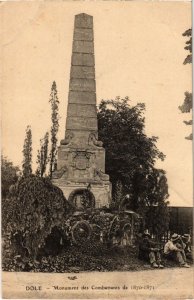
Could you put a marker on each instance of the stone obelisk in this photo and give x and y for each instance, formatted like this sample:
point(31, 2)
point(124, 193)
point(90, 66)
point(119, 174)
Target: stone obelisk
point(81, 157)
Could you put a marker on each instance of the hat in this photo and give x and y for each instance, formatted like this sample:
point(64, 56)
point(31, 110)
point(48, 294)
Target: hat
point(175, 237)
point(186, 236)
point(146, 234)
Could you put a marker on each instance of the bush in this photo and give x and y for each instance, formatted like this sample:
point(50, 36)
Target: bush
point(35, 206)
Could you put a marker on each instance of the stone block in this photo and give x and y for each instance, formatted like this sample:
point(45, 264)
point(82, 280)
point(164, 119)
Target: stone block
point(81, 123)
point(82, 59)
point(62, 154)
point(80, 84)
point(100, 159)
point(82, 97)
point(83, 34)
point(83, 21)
point(76, 110)
point(83, 47)
point(82, 72)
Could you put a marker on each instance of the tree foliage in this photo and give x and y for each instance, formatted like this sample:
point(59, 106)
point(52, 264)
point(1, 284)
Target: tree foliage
point(42, 156)
point(157, 219)
point(27, 153)
point(131, 154)
point(188, 34)
point(187, 105)
point(54, 128)
point(34, 208)
point(9, 175)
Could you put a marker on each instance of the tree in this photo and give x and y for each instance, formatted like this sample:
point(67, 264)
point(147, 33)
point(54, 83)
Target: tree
point(131, 154)
point(187, 105)
point(9, 175)
point(54, 128)
point(27, 153)
point(42, 156)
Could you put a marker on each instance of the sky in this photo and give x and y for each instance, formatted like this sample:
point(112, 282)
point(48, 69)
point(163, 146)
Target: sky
point(139, 52)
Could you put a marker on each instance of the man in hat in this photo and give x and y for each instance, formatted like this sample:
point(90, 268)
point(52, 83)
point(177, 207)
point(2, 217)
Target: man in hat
point(186, 238)
point(174, 249)
point(148, 251)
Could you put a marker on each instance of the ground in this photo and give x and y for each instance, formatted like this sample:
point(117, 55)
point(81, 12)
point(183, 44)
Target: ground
point(88, 257)
point(166, 284)
point(95, 271)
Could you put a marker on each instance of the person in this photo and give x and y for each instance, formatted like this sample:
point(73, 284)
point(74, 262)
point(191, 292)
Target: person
point(148, 251)
point(186, 238)
point(125, 202)
point(174, 249)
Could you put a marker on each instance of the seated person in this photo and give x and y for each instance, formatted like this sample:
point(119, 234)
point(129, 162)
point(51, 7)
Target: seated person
point(148, 251)
point(186, 238)
point(174, 249)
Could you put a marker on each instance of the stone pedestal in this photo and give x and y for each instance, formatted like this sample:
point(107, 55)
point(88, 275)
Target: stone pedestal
point(79, 168)
point(81, 157)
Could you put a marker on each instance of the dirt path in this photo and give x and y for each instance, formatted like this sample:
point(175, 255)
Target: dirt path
point(177, 283)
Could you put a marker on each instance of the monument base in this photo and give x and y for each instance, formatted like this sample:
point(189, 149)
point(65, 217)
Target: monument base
point(100, 193)
point(81, 171)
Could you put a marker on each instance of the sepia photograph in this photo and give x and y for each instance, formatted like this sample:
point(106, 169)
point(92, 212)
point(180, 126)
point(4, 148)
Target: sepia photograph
point(96, 152)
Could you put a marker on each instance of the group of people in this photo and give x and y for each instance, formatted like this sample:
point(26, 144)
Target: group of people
point(177, 248)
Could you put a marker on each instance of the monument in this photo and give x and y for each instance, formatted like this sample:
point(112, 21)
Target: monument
point(81, 156)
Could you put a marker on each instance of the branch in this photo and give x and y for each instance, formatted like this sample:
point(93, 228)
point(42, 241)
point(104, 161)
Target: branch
point(188, 122)
point(190, 137)
point(188, 59)
point(188, 32)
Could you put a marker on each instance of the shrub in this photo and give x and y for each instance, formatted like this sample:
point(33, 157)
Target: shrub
point(35, 206)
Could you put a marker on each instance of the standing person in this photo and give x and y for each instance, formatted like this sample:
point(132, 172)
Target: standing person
point(125, 202)
point(174, 249)
point(148, 251)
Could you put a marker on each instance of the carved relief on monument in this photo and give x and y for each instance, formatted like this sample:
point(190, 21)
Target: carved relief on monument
point(80, 160)
point(63, 172)
point(92, 140)
point(68, 138)
point(101, 175)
